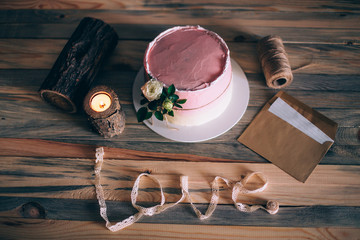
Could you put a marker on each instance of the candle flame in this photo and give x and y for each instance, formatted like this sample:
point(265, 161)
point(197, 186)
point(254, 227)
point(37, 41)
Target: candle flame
point(102, 104)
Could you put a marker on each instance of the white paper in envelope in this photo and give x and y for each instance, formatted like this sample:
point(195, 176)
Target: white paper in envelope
point(290, 134)
point(284, 111)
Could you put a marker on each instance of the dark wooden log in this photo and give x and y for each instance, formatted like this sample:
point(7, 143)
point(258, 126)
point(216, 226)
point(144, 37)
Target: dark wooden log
point(78, 64)
point(110, 121)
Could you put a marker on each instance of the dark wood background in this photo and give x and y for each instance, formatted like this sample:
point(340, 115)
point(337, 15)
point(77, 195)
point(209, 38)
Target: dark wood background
point(47, 156)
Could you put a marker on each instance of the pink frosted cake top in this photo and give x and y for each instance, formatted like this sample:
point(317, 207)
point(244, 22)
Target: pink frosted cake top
point(189, 57)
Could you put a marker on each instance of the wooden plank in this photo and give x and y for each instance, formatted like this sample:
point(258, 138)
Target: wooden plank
point(37, 147)
point(222, 17)
point(72, 177)
point(138, 149)
point(244, 24)
point(88, 210)
point(131, 5)
point(14, 228)
point(149, 32)
point(259, 5)
point(241, 25)
point(304, 59)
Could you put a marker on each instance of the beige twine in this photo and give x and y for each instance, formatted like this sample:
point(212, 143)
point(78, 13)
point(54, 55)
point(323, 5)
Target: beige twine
point(274, 62)
point(272, 207)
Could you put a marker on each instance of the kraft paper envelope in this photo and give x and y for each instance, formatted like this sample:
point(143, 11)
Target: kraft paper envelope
point(290, 134)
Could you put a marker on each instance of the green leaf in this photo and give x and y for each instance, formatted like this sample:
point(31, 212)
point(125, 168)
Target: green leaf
point(173, 97)
point(159, 116)
point(144, 101)
point(164, 92)
point(148, 115)
point(153, 105)
point(177, 105)
point(163, 95)
point(171, 113)
point(171, 89)
point(141, 114)
point(164, 111)
point(181, 101)
point(162, 99)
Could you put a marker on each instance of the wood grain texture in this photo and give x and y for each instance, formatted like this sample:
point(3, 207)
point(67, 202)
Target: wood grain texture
point(188, 16)
point(305, 59)
point(47, 156)
point(236, 33)
point(161, 150)
point(278, 5)
point(40, 148)
point(88, 210)
point(72, 177)
point(240, 25)
point(49, 229)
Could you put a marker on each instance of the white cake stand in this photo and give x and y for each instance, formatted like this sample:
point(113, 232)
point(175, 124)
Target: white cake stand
point(214, 128)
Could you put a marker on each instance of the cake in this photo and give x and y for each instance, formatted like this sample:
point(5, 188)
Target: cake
point(197, 62)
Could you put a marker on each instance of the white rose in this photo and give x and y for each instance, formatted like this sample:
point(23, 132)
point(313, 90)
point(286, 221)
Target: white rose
point(152, 89)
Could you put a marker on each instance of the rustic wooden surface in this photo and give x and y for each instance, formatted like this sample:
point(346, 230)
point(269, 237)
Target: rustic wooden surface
point(47, 156)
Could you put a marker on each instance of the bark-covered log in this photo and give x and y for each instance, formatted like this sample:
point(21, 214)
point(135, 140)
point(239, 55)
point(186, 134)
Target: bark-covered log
point(109, 122)
point(78, 64)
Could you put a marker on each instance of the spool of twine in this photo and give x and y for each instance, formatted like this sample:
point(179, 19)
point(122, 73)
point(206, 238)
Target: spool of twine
point(274, 62)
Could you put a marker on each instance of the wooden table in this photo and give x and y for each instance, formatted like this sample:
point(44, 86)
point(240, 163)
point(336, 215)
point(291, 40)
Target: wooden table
point(47, 156)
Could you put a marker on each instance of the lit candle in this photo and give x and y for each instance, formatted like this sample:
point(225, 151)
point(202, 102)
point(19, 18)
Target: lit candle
point(104, 111)
point(100, 101)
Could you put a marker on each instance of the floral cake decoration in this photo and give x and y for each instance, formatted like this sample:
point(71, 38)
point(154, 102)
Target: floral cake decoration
point(158, 100)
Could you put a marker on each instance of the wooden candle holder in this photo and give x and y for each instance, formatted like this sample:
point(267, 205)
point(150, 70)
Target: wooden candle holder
point(109, 122)
point(78, 64)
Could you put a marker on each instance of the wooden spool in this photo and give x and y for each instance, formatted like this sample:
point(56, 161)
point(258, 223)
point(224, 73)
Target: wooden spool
point(110, 122)
point(78, 64)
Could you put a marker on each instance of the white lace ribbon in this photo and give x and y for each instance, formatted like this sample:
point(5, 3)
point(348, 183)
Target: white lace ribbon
point(272, 207)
